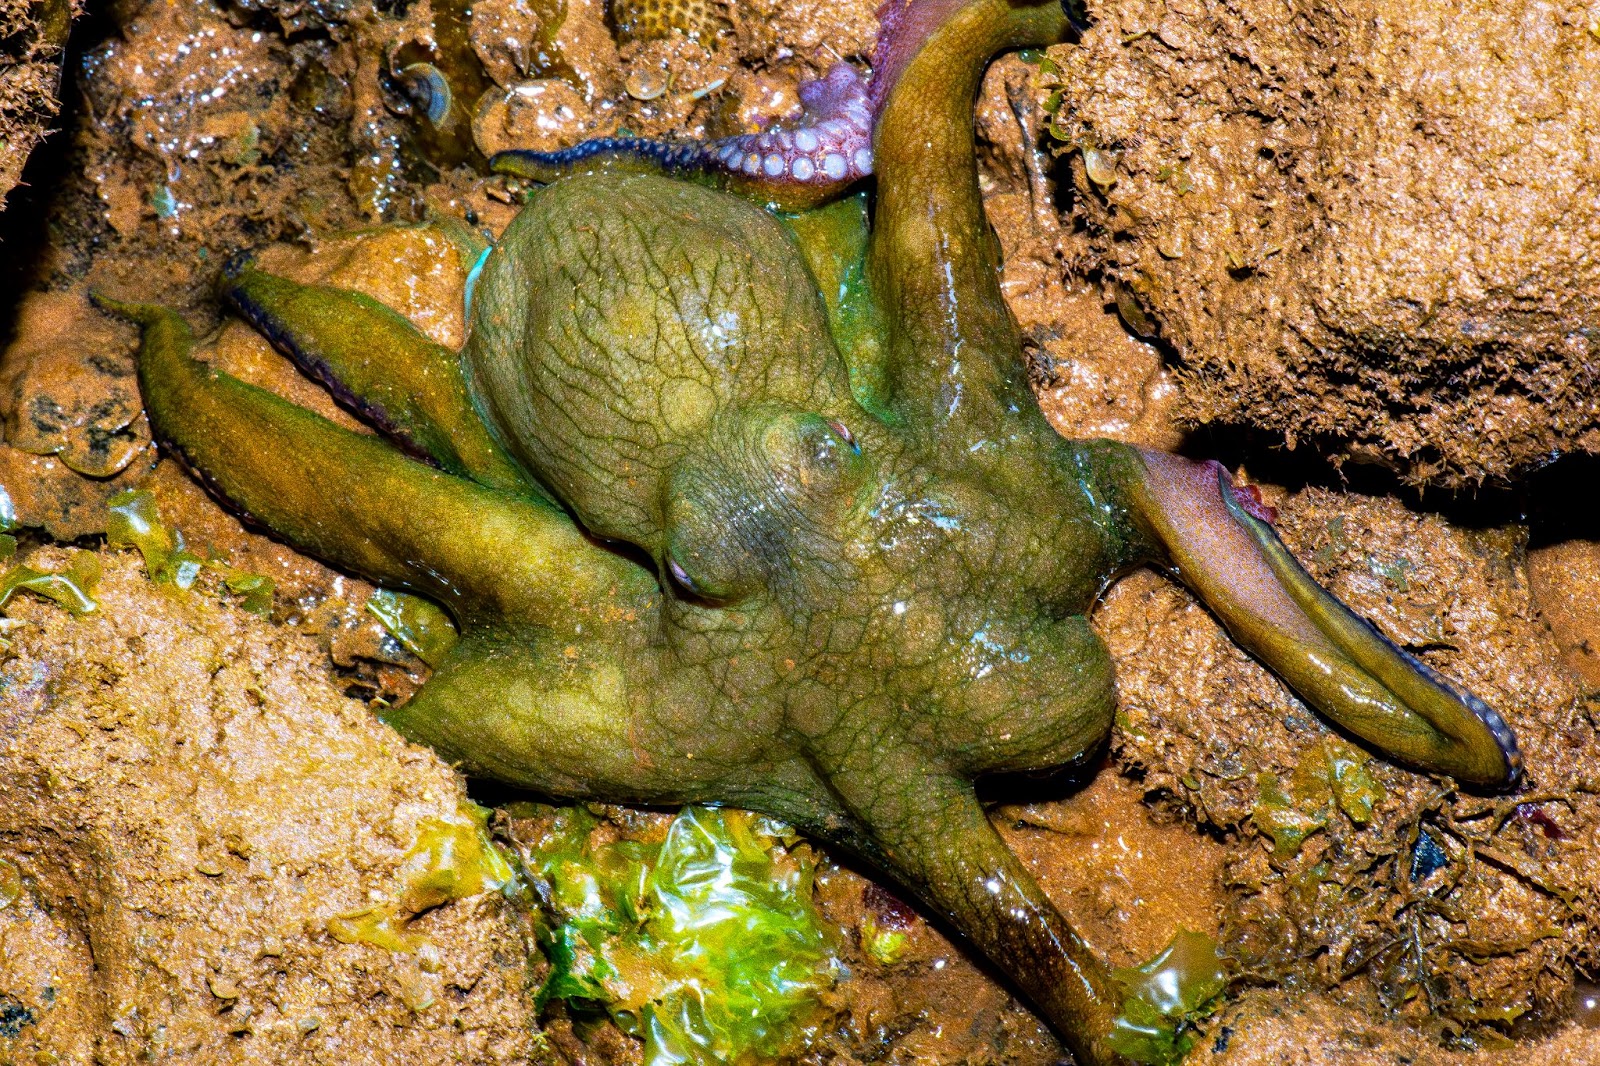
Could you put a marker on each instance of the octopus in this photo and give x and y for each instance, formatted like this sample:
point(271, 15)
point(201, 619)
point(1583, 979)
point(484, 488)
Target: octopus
point(738, 495)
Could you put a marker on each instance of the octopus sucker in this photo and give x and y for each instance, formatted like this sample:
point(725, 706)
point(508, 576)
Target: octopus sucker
point(827, 149)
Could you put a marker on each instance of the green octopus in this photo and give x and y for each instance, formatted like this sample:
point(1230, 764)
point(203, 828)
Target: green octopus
point(741, 506)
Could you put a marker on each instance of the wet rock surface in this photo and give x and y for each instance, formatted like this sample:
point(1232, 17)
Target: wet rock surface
point(1364, 228)
point(192, 791)
point(33, 38)
point(189, 802)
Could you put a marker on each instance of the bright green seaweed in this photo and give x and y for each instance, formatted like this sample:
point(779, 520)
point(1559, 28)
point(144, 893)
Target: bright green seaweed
point(451, 858)
point(72, 588)
point(739, 510)
point(1332, 776)
point(1164, 997)
point(706, 945)
point(135, 522)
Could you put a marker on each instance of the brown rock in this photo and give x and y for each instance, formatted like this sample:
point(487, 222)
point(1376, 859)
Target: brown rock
point(189, 801)
point(1368, 227)
point(32, 36)
point(1566, 587)
point(1493, 906)
point(1093, 378)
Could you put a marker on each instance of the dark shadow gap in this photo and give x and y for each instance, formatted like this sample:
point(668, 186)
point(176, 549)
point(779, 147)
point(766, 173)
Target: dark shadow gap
point(25, 222)
point(1550, 500)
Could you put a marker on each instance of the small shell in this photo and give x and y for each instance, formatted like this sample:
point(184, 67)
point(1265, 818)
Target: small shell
point(429, 90)
point(1101, 166)
point(647, 83)
point(706, 90)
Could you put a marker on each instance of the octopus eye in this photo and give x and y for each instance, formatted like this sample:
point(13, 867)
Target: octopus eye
point(681, 576)
point(845, 435)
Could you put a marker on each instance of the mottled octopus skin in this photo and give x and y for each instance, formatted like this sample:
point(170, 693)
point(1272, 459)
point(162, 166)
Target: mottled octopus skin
point(760, 511)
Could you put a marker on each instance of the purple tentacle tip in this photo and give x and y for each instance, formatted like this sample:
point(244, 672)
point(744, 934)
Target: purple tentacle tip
point(795, 164)
point(903, 27)
point(830, 147)
point(824, 151)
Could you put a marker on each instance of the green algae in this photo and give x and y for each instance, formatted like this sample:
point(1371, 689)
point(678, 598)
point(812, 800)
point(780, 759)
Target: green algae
point(72, 588)
point(135, 522)
point(1277, 815)
point(451, 858)
point(1333, 775)
point(8, 525)
point(883, 945)
point(1165, 997)
point(10, 883)
point(421, 627)
point(1343, 771)
point(380, 926)
point(256, 590)
point(707, 945)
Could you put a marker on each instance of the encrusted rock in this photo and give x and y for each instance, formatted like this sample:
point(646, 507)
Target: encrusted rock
point(189, 802)
point(1369, 227)
point(32, 36)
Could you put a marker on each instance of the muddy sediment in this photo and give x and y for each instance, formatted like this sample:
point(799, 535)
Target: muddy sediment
point(200, 790)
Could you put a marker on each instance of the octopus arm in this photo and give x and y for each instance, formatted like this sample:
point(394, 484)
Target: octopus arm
point(792, 166)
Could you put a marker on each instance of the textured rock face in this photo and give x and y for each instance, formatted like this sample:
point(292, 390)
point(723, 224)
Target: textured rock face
point(188, 803)
point(1204, 725)
point(1368, 226)
point(32, 34)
